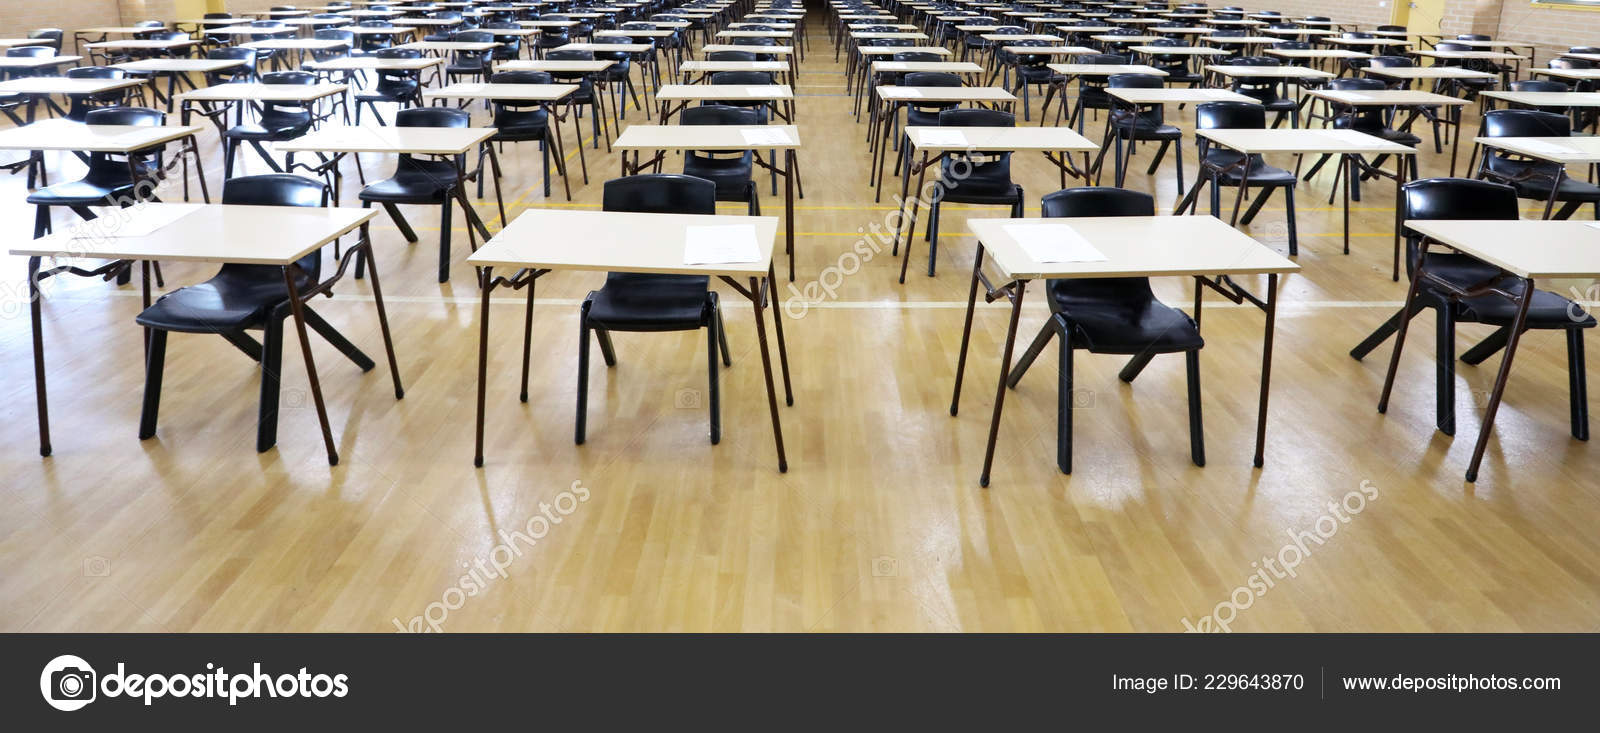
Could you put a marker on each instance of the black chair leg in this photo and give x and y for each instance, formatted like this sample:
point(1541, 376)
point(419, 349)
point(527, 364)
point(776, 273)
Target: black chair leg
point(271, 369)
point(1383, 332)
point(1064, 401)
point(1026, 360)
point(583, 374)
point(1155, 161)
point(1255, 206)
point(1197, 431)
point(1487, 347)
point(1294, 240)
point(337, 340)
point(244, 343)
point(722, 338)
point(1135, 366)
point(1577, 384)
point(608, 353)
point(1445, 372)
point(400, 222)
point(715, 389)
point(444, 237)
point(933, 237)
point(155, 359)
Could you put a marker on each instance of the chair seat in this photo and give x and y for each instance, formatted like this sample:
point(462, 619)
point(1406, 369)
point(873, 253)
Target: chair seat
point(414, 182)
point(239, 297)
point(1128, 327)
point(643, 302)
point(1261, 174)
point(513, 125)
point(390, 91)
point(270, 129)
point(732, 175)
point(1144, 128)
point(83, 192)
point(1548, 310)
point(1538, 186)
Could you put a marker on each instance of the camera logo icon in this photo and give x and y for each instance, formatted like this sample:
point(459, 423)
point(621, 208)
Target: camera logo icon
point(686, 399)
point(68, 682)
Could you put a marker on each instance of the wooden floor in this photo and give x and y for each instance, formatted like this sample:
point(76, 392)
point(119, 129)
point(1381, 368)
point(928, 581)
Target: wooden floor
point(879, 525)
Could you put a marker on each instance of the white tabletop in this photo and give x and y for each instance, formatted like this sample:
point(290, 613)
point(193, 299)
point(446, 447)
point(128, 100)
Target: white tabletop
point(258, 92)
point(1529, 248)
point(614, 241)
point(515, 92)
point(708, 137)
point(1316, 140)
point(960, 139)
point(1134, 246)
point(1565, 150)
point(62, 134)
point(258, 235)
point(693, 92)
point(365, 139)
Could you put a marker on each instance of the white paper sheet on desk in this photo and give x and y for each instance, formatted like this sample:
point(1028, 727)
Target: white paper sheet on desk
point(765, 90)
point(1054, 243)
point(134, 221)
point(720, 244)
point(765, 136)
point(944, 137)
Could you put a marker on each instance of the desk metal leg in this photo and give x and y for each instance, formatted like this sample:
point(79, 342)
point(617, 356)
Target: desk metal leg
point(36, 317)
point(756, 297)
point(790, 166)
point(296, 308)
point(966, 330)
point(1005, 371)
point(1499, 390)
point(1266, 368)
point(908, 204)
point(383, 315)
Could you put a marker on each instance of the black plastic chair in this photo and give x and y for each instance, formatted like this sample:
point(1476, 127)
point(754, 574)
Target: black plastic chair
point(619, 78)
point(471, 64)
point(51, 36)
point(245, 72)
point(732, 171)
point(987, 183)
point(1222, 167)
point(397, 86)
point(585, 96)
point(422, 181)
point(1533, 178)
point(1147, 124)
point(1091, 89)
point(81, 104)
point(1460, 198)
point(1111, 316)
point(516, 122)
point(242, 298)
point(278, 121)
point(644, 302)
point(1266, 89)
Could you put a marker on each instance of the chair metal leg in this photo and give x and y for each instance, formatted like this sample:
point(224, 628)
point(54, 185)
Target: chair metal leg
point(527, 341)
point(1386, 330)
point(337, 340)
point(271, 380)
point(1577, 384)
point(715, 397)
point(444, 238)
point(583, 374)
point(1197, 431)
point(155, 358)
point(1445, 371)
point(1135, 366)
point(1063, 398)
point(1047, 332)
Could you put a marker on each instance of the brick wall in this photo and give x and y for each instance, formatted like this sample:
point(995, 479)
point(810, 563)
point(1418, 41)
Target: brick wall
point(17, 17)
point(1553, 29)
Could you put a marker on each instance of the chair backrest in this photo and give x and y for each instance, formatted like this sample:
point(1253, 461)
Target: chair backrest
point(523, 77)
point(1458, 198)
point(742, 78)
point(1230, 115)
point(1097, 201)
point(138, 116)
point(731, 56)
point(31, 52)
point(1525, 123)
point(917, 56)
point(719, 114)
point(1356, 84)
point(433, 117)
point(276, 189)
point(660, 194)
point(1566, 63)
point(1391, 62)
point(932, 79)
point(397, 53)
point(1469, 36)
point(1539, 85)
point(96, 72)
point(1136, 81)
